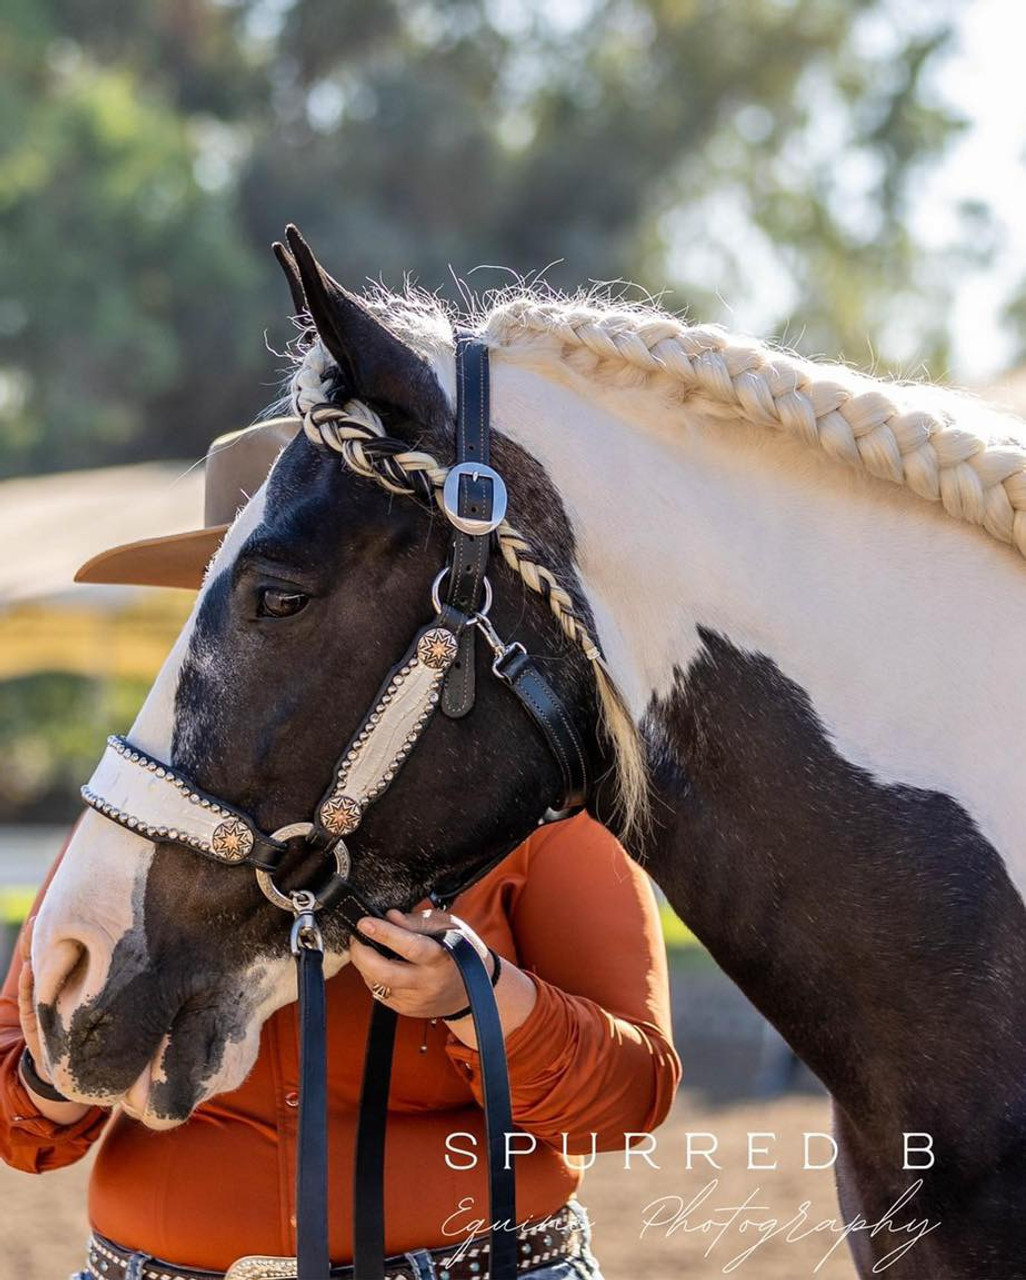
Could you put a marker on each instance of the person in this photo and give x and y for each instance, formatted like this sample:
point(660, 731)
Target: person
point(583, 998)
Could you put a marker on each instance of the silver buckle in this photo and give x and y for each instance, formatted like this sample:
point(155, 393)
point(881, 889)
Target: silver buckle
point(261, 1267)
point(451, 498)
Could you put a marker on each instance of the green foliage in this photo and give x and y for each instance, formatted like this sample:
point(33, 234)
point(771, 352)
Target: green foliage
point(52, 732)
point(150, 152)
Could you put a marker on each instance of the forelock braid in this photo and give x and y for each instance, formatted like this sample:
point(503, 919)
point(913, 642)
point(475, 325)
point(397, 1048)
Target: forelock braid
point(357, 434)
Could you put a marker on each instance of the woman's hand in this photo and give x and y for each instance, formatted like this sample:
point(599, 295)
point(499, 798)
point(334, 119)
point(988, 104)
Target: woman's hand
point(59, 1112)
point(426, 982)
point(429, 984)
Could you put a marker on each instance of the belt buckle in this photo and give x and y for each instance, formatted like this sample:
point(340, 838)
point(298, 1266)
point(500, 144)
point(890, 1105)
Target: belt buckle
point(258, 1266)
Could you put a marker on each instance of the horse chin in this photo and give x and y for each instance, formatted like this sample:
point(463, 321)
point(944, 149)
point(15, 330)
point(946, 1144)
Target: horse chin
point(162, 1102)
point(178, 1077)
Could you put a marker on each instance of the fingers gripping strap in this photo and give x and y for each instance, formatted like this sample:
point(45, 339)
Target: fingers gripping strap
point(149, 797)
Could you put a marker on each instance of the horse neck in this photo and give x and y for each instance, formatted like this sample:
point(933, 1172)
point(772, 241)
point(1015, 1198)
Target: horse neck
point(803, 646)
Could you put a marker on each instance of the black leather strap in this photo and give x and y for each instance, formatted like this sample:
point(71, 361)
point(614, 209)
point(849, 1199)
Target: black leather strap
point(502, 1208)
point(369, 1216)
point(496, 975)
point(312, 1258)
point(548, 713)
point(469, 558)
point(369, 1172)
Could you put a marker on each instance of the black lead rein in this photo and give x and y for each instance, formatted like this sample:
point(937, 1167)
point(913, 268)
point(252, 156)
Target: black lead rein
point(475, 501)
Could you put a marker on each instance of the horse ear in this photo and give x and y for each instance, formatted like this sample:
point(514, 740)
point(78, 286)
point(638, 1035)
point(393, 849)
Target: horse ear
point(376, 364)
point(288, 264)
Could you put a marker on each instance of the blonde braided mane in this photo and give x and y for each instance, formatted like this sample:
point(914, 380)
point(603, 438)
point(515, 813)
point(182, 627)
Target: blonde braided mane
point(904, 433)
point(347, 429)
point(900, 432)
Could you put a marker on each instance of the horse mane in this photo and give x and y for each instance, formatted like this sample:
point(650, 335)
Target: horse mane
point(344, 428)
point(946, 446)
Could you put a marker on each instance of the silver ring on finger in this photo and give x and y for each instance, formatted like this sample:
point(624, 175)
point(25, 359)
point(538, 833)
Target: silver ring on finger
point(380, 992)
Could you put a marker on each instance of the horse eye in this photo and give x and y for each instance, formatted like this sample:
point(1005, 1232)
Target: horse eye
point(275, 603)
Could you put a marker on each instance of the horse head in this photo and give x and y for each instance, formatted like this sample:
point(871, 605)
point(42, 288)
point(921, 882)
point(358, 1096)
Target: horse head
point(156, 968)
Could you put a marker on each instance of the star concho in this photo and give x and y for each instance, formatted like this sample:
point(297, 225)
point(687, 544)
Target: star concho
point(232, 840)
point(341, 815)
point(437, 648)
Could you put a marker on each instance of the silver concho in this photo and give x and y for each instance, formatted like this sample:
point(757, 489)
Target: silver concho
point(341, 815)
point(232, 840)
point(437, 648)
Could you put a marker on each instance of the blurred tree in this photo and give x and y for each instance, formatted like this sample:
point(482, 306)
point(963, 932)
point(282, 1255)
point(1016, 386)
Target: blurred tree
point(149, 153)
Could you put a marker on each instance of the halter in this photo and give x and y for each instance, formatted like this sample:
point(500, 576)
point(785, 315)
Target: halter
point(157, 801)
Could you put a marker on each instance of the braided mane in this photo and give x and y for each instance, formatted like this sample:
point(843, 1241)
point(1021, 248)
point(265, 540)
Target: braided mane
point(904, 433)
point(901, 432)
point(357, 433)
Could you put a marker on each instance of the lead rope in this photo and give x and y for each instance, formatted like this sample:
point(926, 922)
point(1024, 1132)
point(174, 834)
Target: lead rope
point(312, 1255)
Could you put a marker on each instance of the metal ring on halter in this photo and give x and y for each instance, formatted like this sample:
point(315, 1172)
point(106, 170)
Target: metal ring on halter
point(266, 882)
point(451, 498)
point(436, 593)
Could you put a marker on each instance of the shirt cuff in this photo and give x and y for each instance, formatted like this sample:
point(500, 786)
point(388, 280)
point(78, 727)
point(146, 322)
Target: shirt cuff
point(34, 1138)
point(529, 1048)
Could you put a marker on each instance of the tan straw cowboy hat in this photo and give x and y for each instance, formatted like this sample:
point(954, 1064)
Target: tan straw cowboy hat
point(236, 466)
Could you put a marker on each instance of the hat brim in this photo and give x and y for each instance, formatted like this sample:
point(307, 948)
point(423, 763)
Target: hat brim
point(177, 560)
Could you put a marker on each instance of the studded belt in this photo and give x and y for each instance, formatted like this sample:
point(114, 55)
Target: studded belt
point(538, 1244)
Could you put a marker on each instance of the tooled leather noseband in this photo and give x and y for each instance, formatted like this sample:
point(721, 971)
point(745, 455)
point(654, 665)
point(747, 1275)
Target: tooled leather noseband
point(159, 802)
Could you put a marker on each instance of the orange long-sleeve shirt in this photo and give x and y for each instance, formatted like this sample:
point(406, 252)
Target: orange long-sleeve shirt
point(594, 1056)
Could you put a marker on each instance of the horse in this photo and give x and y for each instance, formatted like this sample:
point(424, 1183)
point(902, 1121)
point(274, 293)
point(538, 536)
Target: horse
point(783, 603)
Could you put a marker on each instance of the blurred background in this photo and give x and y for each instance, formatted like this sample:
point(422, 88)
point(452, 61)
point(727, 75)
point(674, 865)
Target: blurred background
point(846, 176)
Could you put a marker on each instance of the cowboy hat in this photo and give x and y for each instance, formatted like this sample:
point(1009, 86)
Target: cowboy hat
point(236, 466)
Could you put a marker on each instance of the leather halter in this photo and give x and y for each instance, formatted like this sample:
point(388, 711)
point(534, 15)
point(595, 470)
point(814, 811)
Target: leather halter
point(161, 803)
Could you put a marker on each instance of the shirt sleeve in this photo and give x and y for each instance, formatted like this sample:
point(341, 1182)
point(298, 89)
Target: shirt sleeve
point(28, 1140)
point(595, 1054)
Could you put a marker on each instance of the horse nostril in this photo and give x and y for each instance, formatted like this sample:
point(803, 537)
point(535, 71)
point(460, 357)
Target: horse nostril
point(61, 970)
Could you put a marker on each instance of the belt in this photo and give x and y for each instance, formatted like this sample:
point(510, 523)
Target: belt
point(538, 1244)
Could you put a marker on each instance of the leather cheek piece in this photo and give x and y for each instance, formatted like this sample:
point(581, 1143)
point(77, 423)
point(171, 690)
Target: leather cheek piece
point(470, 551)
point(548, 713)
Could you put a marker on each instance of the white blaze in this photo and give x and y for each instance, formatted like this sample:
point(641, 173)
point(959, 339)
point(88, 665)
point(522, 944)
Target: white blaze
point(95, 898)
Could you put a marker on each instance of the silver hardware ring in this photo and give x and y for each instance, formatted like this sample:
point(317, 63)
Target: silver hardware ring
point(436, 593)
point(287, 902)
point(451, 498)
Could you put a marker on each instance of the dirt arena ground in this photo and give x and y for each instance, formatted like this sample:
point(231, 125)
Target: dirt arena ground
point(42, 1220)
